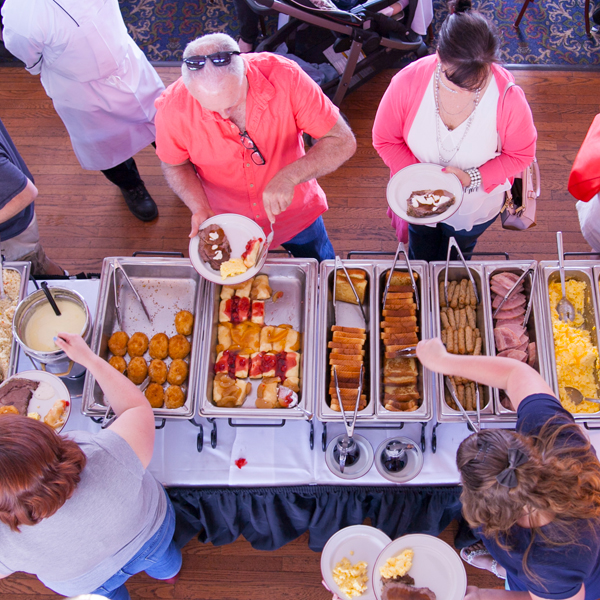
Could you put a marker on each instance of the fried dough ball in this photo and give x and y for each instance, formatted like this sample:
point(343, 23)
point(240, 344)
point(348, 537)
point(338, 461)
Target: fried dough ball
point(137, 370)
point(155, 395)
point(159, 346)
point(184, 322)
point(118, 362)
point(117, 343)
point(9, 409)
point(174, 397)
point(178, 372)
point(179, 347)
point(138, 344)
point(157, 370)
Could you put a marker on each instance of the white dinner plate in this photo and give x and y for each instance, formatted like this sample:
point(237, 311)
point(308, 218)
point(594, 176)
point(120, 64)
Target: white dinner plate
point(239, 231)
point(42, 407)
point(422, 176)
point(365, 542)
point(436, 566)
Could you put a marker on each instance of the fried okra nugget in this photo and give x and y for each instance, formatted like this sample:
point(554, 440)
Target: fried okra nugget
point(118, 362)
point(157, 370)
point(138, 344)
point(184, 322)
point(159, 346)
point(178, 372)
point(117, 343)
point(155, 395)
point(174, 397)
point(137, 370)
point(179, 347)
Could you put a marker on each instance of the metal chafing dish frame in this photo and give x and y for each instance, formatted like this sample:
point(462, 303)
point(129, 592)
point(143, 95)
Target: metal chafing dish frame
point(545, 277)
point(24, 270)
point(155, 261)
point(504, 415)
point(210, 311)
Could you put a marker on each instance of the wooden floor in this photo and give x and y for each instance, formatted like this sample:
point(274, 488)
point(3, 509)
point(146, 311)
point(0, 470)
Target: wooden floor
point(83, 218)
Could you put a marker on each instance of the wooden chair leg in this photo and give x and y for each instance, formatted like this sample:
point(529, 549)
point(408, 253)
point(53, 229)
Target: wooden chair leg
point(587, 17)
point(523, 9)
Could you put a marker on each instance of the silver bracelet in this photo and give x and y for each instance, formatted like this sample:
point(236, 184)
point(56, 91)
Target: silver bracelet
point(475, 176)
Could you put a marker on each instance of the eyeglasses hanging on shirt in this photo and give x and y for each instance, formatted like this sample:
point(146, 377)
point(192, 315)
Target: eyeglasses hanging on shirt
point(248, 143)
point(219, 59)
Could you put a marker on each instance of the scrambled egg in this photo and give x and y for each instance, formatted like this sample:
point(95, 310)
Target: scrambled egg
point(351, 579)
point(397, 566)
point(576, 357)
point(233, 267)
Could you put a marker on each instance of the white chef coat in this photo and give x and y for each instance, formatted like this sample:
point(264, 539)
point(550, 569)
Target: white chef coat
point(100, 82)
point(589, 221)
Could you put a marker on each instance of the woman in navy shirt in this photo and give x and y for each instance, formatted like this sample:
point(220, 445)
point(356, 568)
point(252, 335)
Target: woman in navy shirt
point(533, 493)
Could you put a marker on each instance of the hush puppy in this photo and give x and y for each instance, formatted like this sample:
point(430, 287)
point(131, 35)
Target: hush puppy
point(174, 397)
point(179, 347)
point(178, 372)
point(137, 370)
point(157, 370)
point(184, 322)
point(159, 346)
point(155, 395)
point(118, 362)
point(138, 344)
point(117, 343)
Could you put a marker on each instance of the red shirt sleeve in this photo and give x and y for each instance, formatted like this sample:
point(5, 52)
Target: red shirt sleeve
point(584, 180)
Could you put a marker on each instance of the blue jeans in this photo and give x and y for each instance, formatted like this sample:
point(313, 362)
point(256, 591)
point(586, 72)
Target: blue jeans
point(313, 242)
point(431, 243)
point(158, 557)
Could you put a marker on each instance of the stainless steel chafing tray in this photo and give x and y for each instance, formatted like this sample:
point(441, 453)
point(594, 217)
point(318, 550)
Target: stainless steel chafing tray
point(326, 320)
point(446, 414)
point(166, 285)
point(425, 378)
point(297, 279)
point(23, 269)
point(535, 324)
point(580, 271)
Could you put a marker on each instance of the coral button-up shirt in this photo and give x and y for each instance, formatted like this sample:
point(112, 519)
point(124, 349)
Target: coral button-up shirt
point(281, 104)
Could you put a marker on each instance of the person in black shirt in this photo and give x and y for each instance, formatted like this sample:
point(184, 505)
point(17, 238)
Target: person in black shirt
point(533, 493)
point(19, 235)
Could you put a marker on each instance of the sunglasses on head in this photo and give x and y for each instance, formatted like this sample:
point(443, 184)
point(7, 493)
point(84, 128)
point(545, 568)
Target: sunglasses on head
point(219, 59)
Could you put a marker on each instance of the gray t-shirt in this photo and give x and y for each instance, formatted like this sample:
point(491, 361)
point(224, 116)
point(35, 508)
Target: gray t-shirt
point(115, 509)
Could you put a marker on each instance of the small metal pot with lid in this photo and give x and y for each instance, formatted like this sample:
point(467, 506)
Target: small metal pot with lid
point(35, 325)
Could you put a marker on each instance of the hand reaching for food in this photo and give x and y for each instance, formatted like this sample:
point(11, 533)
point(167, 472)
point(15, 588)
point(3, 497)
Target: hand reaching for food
point(431, 353)
point(278, 195)
point(74, 347)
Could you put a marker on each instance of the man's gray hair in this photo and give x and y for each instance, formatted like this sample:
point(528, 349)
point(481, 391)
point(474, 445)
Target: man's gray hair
point(210, 76)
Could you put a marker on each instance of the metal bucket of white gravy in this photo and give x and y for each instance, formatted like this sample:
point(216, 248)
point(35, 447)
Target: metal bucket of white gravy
point(35, 326)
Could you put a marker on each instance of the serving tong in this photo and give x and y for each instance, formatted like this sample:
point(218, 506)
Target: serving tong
point(564, 308)
point(452, 390)
point(117, 266)
point(402, 249)
point(335, 305)
point(267, 244)
point(110, 415)
point(452, 243)
point(346, 446)
point(530, 270)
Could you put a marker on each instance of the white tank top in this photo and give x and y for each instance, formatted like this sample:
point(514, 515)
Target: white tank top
point(479, 146)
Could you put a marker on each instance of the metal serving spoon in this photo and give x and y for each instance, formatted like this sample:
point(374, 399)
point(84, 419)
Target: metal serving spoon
point(564, 308)
point(576, 397)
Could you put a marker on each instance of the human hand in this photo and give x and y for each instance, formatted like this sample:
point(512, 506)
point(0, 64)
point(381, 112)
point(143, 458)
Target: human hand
point(74, 347)
point(431, 353)
point(278, 195)
point(197, 219)
point(465, 178)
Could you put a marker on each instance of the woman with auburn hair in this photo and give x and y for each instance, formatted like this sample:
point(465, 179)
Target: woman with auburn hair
point(533, 493)
point(81, 511)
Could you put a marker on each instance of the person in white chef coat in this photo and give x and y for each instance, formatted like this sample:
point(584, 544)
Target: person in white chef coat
point(100, 82)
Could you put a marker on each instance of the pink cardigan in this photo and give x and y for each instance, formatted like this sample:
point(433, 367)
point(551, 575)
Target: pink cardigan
point(401, 102)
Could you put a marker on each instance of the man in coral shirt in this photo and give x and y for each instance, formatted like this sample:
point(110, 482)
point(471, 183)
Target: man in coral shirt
point(229, 135)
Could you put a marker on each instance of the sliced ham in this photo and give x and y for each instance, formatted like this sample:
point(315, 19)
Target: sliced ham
point(502, 291)
point(511, 313)
point(532, 351)
point(514, 321)
point(523, 347)
point(518, 329)
point(524, 339)
point(512, 353)
point(505, 339)
point(514, 301)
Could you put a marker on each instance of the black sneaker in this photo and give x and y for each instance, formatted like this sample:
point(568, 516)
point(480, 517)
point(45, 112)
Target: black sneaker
point(140, 203)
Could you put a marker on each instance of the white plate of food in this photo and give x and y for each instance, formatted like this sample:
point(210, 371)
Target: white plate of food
point(435, 566)
point(232, 239)
point(357, 543)
point(50, 400)
point(423, 194)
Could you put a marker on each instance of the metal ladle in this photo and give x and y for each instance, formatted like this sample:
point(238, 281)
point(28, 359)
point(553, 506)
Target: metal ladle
point(576, 397)
point(564, 308)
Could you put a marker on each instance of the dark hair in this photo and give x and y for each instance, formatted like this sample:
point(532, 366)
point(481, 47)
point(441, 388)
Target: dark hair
point(39, 470)
point(467, 45)
point(561, 477)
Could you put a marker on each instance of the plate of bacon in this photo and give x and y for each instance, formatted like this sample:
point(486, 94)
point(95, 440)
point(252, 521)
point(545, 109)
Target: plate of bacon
point(227, 249)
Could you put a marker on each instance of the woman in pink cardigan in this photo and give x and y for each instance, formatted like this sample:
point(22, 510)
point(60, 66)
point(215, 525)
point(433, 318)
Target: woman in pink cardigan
point(459, 109)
